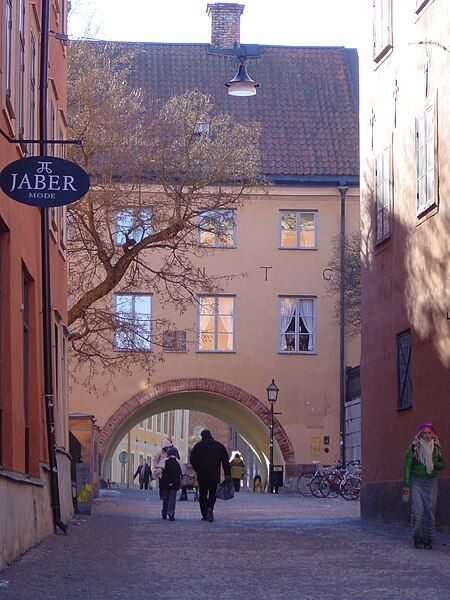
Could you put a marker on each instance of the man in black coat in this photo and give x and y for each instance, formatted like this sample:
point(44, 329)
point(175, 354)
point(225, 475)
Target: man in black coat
point(206, 457)
point(144, 473)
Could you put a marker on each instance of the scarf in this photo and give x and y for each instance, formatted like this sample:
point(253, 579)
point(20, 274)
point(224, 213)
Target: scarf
point(423, 451)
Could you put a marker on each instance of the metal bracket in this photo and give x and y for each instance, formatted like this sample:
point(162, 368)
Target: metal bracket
point(11, 140)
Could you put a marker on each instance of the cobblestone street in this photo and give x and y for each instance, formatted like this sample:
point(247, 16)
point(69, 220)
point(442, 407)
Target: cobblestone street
point(259, 546)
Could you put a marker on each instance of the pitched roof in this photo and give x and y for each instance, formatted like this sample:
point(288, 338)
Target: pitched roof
point(307, 103)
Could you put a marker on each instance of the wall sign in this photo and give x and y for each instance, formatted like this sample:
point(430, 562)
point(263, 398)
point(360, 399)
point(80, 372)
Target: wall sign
point(44, 181)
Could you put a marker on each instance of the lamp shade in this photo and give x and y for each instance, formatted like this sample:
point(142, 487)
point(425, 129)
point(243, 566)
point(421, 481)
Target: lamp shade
point(242, 84)
point(272, 391)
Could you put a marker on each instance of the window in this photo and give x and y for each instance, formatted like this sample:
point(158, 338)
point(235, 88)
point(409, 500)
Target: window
point(133, 224)
point(216, 323)
point(166, 423)
point(297, 324)
point(425, 160)
point(174, 341)
point(218, 228)
point(172, 422)
point(382, 28)
point(149, 460)
point(26, 365)
point(141, 425)
point(131, 471)
point(158, 423)
point(8, 49)
point(383, 194)
point(141, 457)
point(405, 392)
point(32, 91)
point(133, 314)
point(149, 423)
point(298, 229)
point(21, 115)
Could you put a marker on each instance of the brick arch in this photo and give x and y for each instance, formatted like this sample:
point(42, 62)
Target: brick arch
point(195, 385)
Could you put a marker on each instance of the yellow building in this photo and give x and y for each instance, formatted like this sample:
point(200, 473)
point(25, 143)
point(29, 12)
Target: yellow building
point(277, 321)
point(144, 440)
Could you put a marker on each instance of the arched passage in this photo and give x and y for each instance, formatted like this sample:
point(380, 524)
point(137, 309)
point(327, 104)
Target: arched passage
point(242, 411)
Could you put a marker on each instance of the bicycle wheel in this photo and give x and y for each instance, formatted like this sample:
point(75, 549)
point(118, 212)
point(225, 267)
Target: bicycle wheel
point(329, 486)
point(303, 484)
point(314, 486)
point(350, 489)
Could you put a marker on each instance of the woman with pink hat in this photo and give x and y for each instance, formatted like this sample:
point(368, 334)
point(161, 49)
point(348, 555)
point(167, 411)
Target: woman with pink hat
point(423, 460)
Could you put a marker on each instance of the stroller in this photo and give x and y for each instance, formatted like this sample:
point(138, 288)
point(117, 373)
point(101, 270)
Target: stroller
point(189, 483)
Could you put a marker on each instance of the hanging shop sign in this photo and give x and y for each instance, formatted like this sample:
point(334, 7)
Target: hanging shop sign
point(44, 181)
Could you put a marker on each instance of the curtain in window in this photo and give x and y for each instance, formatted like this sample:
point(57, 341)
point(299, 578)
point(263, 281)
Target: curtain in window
point(306, 313)
point(287, 311)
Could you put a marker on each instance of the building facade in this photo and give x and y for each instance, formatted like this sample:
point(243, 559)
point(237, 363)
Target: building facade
point(145, 440)
point(26, 514)
point(405, 363)
point(275, 320)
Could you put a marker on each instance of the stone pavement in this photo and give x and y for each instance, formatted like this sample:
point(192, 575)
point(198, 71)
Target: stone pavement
point(259, 546)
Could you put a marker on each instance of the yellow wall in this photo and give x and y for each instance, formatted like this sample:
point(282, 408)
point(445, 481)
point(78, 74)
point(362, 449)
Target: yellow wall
point(309, 384)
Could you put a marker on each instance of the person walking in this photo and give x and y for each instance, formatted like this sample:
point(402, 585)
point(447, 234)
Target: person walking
point(159, 460)
point(170, 484)
point(423, 460)
point(206, 458)
point(237, 471)
point(145, 473)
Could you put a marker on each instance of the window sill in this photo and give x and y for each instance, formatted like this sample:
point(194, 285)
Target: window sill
point(419, 10)
point(132, 350)
point(400, 408)
point(297, 248)
point(426, 209)
point(379, 58)
point(217, 247)
point(284, 353)
point(215, 351)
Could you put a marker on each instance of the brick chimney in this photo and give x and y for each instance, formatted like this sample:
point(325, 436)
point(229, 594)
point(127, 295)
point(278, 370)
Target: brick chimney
point(225, 24)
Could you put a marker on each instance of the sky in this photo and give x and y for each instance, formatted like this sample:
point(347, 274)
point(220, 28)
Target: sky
point(277, 22)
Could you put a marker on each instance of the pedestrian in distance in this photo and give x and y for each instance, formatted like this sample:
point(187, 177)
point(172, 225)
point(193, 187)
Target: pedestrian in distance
point(257, 483)
point(145, 474)
point(207, 456)
point(170, 483)
point(237, 471)
point(159, 460)
point(423, 460)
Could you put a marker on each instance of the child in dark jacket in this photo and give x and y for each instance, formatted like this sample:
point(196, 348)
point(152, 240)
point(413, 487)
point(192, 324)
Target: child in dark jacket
point(170, 484)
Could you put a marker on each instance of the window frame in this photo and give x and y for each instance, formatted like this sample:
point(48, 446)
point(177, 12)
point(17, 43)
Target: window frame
point(296, 332)
point(217, 243)
point(8, 60)
point(424, 207)
point(386, 158)
point(216, 316)
point(21, 69)
point(32, 89)
point(298, 212)
point(401, 404)
point(116, 346)
point(386, 43)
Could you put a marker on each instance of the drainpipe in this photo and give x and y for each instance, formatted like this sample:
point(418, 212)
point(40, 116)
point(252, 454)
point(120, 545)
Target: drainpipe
point(343, 189)
point(46, 299)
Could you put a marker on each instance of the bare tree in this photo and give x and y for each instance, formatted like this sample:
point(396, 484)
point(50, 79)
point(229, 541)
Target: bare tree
point(156, 175)
point(352, 281)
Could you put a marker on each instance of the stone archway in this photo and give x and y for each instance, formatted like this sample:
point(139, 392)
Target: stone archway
point(138, 402)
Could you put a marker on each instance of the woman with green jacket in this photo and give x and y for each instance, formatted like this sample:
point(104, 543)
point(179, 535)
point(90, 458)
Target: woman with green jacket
point(423, 460)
